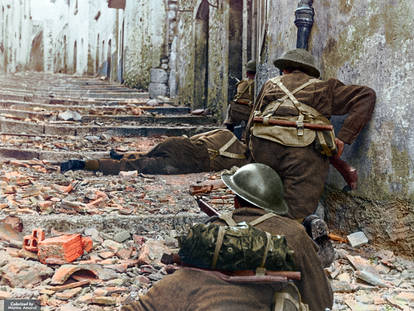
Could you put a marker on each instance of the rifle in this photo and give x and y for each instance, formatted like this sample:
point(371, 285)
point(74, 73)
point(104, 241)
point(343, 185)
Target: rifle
point(311, 126)
point(207, 209)
point(239, 276)
point(348, 172)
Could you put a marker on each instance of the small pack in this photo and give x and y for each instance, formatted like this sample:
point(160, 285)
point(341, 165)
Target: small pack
point(233, 248)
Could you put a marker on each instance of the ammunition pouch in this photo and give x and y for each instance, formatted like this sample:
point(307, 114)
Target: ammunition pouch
point(297, 135)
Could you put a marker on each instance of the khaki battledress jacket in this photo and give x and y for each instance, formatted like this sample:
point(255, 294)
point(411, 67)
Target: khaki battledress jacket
point(303, 169)
point(181, 155)
point(200, 291)
point(240, 107)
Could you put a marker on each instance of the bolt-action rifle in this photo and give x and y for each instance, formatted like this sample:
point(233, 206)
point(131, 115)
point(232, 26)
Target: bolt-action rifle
point(349, 173)
point(205, 208)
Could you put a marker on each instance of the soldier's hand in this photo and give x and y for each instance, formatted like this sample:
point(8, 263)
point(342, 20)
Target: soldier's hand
point(339, 147)
point(73, 165)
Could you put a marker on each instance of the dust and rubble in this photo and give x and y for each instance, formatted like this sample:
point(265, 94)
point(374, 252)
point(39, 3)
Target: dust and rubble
point(83, 241)
point(121, 263)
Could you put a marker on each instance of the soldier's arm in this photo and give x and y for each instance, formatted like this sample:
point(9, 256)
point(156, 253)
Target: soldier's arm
point(355, 100)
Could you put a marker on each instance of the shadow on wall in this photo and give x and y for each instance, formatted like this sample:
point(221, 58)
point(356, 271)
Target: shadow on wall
point(37, 53)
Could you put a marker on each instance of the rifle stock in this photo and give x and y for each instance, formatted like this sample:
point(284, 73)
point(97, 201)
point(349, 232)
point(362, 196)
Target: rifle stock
point(348, 172)
point(207, 209)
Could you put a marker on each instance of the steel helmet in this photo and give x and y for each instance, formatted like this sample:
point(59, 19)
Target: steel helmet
point(300, 59)
point(251, 66)
point(259, 185)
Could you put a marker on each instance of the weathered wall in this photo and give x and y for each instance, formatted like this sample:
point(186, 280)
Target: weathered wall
point(218, 59)
point(368, 43)
point(183, 68)
point(145, 40)
point(58, 36)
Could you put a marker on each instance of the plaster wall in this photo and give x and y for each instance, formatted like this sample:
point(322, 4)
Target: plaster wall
point(219, 60)
point(42, 35)
point(184, 41)
point(145, 40)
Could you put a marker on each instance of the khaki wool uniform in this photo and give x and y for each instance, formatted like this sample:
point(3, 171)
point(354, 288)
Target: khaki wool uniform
point(239, 109)
point(313, 286)
point(199, 291)
point(189, 290)
point(304, 169)
point(210, 151)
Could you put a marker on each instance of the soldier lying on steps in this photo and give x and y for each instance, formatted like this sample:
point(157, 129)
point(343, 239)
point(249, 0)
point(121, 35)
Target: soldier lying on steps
point(260, 202)
point(211, 151)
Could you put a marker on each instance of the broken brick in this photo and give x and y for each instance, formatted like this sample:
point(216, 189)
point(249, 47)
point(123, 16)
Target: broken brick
point(87, 244)
point(68, 286)
point(31, 242)
point(68, 294)
point(67, 271)
point(65, 249)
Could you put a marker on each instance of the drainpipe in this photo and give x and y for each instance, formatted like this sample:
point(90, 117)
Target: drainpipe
point(304, 21)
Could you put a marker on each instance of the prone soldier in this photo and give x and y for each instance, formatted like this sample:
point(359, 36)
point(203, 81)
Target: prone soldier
point(210, 151)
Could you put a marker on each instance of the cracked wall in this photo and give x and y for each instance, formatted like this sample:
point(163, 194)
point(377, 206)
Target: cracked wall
point(145, 40)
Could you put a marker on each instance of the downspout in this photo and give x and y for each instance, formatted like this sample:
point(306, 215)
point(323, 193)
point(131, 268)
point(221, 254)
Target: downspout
point(304, 20)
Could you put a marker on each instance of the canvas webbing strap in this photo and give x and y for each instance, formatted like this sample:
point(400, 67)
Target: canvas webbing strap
point(219, 243)
point(268, 247)
point(324, 144)
point(278, 81)
point(261, 219)
point(280, 297)
point(280, 301)
point(296, 103)
point(228, 219)
point(222, 151)
point(249, 83)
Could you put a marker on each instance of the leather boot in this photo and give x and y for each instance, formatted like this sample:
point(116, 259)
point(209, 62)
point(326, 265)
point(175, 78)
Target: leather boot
point(318, 231)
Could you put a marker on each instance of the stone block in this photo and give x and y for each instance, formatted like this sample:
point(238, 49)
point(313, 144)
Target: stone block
point(157, 89)
point(158, 75)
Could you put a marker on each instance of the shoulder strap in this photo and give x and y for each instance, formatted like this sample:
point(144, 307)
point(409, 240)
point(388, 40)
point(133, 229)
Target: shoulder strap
point(249, 83)
point(261, 219)
point(223, 150)
point(290, 94)
point(228, 219)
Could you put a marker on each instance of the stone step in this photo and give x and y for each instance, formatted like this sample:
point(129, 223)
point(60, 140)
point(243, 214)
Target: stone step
point(76, 105)
point(141, 119)
point(32, 96)
point(12, 126)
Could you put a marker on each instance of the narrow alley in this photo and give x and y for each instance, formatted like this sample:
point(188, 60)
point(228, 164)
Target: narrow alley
point(100, 80)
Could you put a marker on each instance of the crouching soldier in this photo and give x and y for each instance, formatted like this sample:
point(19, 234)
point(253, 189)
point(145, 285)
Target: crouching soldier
point(211, 151)
point(239, 108)
point(259, 202)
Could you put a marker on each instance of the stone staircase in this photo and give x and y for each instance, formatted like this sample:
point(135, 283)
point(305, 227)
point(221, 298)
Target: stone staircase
point(52, 107)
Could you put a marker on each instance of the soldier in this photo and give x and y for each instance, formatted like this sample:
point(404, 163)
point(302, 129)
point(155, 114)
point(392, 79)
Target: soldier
point(259, 201)
point(300, 154)
point(211, 151)
point(239, 109)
